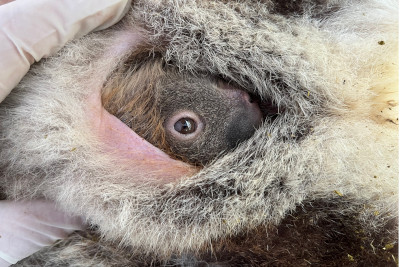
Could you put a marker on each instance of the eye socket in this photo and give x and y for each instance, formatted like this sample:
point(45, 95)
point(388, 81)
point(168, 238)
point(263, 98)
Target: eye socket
point(185, 126)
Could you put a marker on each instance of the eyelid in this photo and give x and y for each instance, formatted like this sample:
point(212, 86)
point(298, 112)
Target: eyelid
point(170, 122)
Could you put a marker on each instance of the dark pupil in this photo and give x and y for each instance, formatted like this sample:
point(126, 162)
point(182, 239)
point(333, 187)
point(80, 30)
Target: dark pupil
point(185, 126)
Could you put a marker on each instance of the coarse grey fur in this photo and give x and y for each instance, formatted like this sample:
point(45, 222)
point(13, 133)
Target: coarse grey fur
point(325, 167)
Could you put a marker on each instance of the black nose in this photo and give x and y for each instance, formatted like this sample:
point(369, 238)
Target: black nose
point(242, 127)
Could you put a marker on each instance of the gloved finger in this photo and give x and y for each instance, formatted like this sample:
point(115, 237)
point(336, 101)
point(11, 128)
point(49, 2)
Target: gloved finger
point(31, 30)
point(28, 226)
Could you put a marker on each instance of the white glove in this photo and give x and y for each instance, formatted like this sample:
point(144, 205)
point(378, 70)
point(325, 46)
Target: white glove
point(31, 30)
point(26, 227)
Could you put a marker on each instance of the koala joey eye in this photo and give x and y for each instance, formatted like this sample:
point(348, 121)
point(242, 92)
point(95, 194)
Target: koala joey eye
point(184, 125)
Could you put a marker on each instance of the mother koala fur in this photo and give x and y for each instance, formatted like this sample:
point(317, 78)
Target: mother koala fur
point(316, 184)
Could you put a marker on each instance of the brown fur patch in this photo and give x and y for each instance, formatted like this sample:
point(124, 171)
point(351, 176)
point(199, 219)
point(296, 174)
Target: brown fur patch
point(320, 233)
point(131, 95)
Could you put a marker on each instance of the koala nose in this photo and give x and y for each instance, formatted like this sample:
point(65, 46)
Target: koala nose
point(243, 125)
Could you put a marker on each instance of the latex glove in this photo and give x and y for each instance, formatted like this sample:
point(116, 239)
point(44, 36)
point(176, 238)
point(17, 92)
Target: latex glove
point(33, 29)
point(26, 227)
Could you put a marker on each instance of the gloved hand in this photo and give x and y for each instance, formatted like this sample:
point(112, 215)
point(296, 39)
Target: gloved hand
point(26, 227)
point(29, 31)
